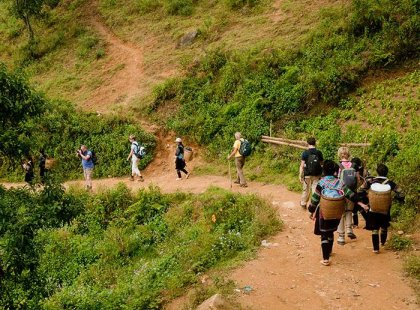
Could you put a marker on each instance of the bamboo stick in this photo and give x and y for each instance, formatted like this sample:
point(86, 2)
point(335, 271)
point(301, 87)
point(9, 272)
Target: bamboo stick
point(285, 140)
point(304, 144)
point(284, 143)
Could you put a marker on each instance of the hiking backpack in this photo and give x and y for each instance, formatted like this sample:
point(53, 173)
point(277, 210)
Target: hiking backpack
point(139, 151)
point(313, 165)
point(94, 158)
point(245, 148)
point(348, 177)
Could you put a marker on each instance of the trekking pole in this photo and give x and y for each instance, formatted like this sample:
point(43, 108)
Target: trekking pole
point(230, 175)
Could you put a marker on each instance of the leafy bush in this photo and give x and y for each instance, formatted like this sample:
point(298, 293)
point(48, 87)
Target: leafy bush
point(179, 7)
point(30, 122)
point(399, 243)
point(122, 250)
point(225, 90)
point(412, 266)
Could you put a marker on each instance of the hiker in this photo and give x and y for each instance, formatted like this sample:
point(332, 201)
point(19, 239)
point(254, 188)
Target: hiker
point(239, 160)
point(28, 166)
point(135, 158)
point(87, 164)
point(310, 170)
point(347, 175)
point(326, 227)
point(379, 216)
point(179, 160)
point(360, 174)
point(41, 164)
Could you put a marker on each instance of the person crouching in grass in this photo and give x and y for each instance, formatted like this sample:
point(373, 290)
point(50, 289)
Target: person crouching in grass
point(326, 227)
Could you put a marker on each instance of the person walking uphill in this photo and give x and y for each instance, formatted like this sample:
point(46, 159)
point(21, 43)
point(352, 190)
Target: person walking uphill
point(135, 158)
point(239, 160)
point(179, 159)
point(329, 186)
point(87, 164)
point(310, 171)
point(28, 166)
point(379, 215)
point(348, 175)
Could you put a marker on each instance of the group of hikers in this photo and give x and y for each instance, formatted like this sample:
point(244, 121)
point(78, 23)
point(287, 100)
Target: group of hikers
point(137, 152)
point(337, 192)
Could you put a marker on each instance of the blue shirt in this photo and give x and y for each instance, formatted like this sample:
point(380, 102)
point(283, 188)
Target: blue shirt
point(87, 164)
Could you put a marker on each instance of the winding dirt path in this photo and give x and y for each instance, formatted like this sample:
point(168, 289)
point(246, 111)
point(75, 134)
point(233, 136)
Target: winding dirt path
point(123, 72)
point(285, 276)
point(288, 275)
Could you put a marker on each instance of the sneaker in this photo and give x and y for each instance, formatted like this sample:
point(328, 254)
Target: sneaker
point(236, 182)
point(304, 207)
point(341, 240)
point(187, 176)
point(325, 262)
point(131, 178)
point(178, 179)
point(375, 251)
point(351, 235)
point(141, 179)
point(243, 185)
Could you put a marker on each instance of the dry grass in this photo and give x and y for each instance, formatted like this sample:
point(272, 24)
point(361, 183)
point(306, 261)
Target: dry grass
point(64, 73)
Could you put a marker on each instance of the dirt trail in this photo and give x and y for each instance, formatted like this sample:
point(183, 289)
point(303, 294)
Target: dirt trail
point(289, 275)
point(123, 72)
point(286, 276)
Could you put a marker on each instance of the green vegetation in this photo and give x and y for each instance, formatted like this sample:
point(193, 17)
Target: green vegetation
point(29, 122)
point(412, 266)
point(229, 91)
point(399, 243)
point(120, 250)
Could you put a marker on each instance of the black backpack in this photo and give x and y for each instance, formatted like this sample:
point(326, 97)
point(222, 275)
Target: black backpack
point(313, 165)
point(245, 148)
point(94, 158)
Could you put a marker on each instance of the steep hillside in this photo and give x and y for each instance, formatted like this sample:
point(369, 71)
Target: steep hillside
point(100, 67)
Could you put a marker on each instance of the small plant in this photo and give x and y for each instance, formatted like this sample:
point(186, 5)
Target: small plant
point(412, 266)
point(399, 243)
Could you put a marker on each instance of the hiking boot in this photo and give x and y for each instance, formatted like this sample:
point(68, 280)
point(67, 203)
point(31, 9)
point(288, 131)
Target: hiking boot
point(325, 262)
point(141, 179)
point(341, 240)
point(351, 235)
point(237, 182)
point(304, 207)
point(131, 178)
point(243, 185)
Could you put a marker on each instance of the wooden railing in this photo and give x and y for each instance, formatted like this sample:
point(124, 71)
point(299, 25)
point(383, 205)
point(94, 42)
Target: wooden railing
point(302, 144)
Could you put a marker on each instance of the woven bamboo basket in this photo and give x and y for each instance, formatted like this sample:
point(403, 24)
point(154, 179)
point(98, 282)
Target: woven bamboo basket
point(50, 163)
point(332, 208)
point(188, 154)
point(380, 202)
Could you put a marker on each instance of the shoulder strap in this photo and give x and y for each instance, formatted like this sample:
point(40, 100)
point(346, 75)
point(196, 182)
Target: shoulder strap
point(385, 181)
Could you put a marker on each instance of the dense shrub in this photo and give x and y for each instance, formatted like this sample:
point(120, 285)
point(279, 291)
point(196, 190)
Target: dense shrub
point(122, 250)
point(29, 122)
point(229, 91)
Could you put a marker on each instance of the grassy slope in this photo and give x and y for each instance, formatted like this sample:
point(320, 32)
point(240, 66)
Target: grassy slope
point(73, 55)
